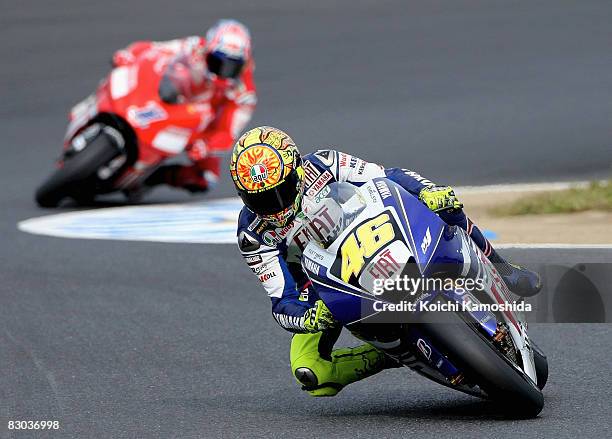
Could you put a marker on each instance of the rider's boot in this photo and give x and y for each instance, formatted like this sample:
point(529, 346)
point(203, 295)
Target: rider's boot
point(135, 195)
point(190, 178)
point(442, 200)
point(520, 280)
point(322, 374)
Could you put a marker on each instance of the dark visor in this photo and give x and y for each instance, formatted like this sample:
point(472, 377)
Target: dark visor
point(273, 200)
point(224, 66)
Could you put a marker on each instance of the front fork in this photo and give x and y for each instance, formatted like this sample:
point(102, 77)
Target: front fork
point(505, 323)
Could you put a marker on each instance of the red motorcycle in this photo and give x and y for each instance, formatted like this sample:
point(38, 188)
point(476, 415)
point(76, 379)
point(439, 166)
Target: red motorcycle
point(118, 136)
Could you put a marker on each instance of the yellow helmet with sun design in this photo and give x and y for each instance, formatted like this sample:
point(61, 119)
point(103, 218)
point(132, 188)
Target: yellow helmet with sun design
point(266, 168)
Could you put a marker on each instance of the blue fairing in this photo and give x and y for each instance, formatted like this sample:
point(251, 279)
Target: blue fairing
point(437, 248)
point(440, 244)
point(349, 303)
point(346, 308)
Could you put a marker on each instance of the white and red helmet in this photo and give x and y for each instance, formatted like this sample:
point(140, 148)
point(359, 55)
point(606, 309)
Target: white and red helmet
point(228, 48)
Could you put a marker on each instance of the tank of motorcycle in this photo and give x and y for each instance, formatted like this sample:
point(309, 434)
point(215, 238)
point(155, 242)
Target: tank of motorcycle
point(377, 230)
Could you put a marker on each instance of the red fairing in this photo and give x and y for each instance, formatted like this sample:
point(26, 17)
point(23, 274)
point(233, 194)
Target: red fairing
point(204, 120)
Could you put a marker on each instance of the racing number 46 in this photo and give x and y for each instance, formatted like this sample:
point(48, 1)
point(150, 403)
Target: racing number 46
point(364, 242)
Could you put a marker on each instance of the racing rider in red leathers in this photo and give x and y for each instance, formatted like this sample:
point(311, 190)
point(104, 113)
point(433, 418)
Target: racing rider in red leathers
point(272, 179)
point(218, 70)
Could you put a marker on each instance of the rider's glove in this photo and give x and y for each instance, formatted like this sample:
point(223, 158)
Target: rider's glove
point(440, 198)
point(318, 318)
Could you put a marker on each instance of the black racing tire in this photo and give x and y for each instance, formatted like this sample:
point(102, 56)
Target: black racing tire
point(483, 364)
point(71, 179)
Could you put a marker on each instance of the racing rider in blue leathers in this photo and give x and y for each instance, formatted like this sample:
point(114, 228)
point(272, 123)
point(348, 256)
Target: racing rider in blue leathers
point(271, 178)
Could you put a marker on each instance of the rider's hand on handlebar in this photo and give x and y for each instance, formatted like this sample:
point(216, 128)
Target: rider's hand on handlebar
point(440, 198)
point(319, 318)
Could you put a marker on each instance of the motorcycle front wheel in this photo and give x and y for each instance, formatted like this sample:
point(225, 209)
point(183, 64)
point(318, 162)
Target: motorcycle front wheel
point(483, 364)
point(76, 178)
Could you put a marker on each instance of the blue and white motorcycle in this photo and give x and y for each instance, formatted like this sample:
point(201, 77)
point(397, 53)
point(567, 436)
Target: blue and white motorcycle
point(398, 277)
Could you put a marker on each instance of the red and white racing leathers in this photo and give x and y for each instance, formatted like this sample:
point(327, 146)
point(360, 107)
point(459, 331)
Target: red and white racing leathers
point(232, 101)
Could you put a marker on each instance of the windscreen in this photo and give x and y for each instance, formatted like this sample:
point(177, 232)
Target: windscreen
point(174, 87)
point(332, 210)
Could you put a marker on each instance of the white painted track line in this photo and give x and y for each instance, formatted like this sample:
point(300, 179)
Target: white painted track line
point(553, 246)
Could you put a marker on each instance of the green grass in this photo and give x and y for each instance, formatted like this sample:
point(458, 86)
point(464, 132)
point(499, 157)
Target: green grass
point(597, 196)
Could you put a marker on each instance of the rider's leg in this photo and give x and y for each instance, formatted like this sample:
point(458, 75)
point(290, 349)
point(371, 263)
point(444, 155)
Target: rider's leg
point(324, 372)
point(520, 280)
point(211, 169)
point(200, 176)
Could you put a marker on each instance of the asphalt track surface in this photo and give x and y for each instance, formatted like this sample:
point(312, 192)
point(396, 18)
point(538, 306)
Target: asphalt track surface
point(121, 339)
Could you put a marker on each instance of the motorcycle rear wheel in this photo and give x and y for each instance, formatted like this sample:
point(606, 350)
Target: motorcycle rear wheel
point(483, 364)
point(76, 178)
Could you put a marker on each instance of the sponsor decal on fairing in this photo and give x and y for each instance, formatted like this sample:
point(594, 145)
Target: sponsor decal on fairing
point(143, 116)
